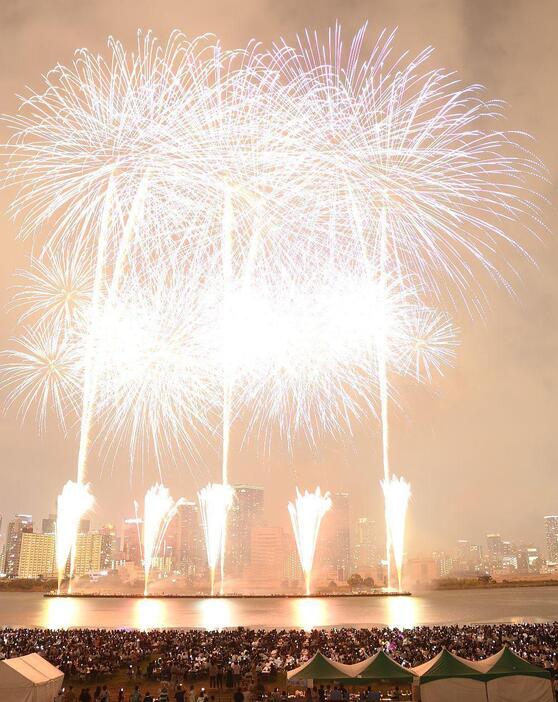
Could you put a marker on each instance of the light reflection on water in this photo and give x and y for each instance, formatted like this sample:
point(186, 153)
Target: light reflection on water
point(454, 607)
point(215, 613)
point(402, 612)
point(60, 612)
point(150, 613)
point(310, 613)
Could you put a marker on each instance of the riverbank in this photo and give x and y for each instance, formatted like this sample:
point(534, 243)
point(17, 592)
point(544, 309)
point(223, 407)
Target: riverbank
point(458, 584)
point(232, 596)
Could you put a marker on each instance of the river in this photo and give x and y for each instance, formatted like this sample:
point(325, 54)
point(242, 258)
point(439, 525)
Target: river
point(532, 604)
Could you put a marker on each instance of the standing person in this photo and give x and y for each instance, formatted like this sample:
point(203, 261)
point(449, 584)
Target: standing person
point(70, 695)
point(148, 697)
point(191, 694)
point(136, 695)
point(229, 677)
point(179, 695)
point(238, 695)
point(121, 695)
point(220, 676)
point(164, 694)
point(105, 697)
point(212, 675)
point(97, 694)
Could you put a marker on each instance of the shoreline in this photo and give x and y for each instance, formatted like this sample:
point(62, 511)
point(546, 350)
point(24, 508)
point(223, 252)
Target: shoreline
point(138, 596)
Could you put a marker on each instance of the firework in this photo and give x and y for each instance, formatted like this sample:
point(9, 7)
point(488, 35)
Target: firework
point(73, 502)
point(306, 514)
point(397, 493)
point(159, 509)
point(268, 232)
point(215, 501)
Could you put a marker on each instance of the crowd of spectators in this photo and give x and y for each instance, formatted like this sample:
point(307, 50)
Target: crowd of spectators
point(224, 658)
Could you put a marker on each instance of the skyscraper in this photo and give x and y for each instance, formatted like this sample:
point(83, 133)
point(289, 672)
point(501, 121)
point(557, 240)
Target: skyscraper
point(365, 553)
point(334, 549)
point(22, 523)
point(551, 531)
point(49, 525)
point(110, 545)
point(131, 543)
point(495, 549)
point(246, 513)
point(190, 554)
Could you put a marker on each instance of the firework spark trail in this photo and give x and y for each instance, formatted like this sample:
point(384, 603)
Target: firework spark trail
point(382, 352)
point(306, 514)
point(159, 509)
point(73, 503)
point(397, 493)
point(215, 501)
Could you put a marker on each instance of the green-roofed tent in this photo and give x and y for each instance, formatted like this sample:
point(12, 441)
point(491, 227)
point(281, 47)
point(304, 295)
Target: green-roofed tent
point(318, 668)
point(447, 677)
point(510, 678)
point(379, 668)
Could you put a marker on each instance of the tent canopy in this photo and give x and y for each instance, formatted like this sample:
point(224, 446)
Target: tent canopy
point(320, 668)
point(379, 667)
point(29, 679)
point(446, 665)
point(505, 663)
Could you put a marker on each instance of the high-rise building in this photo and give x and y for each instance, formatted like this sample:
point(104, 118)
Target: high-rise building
point(245, 514)
point(190, 557)
point(37, 557)
point(365, 552)
point(84, 526)
point(495, 550)
point(551, 533)
point(90, 550)
point(334, 549)
point(444, 563)
point(110, 545)
point(131, 541)
point(22, 523)
point(267, 553)
point(49, 525)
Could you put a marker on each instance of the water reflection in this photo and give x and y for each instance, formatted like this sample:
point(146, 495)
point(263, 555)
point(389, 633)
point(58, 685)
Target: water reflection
point(402, 612)
point(150, 613)
point(310, 613)
point(60, 612)
point(216, 613)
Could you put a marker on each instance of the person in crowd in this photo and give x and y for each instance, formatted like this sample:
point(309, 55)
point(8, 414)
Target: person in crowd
point(179, 694)
point(148, 697)
point(135, 695)
point(164, 694)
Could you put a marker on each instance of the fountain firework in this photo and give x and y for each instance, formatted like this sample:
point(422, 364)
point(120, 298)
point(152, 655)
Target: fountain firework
point(215, 501)
point(73, 503)
point(397, 493)
point(306, 514)
point(158, 511)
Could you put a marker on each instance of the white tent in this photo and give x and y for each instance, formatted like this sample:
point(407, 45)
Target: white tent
point(29, 679)
point(447, 677)
point(510, 678)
